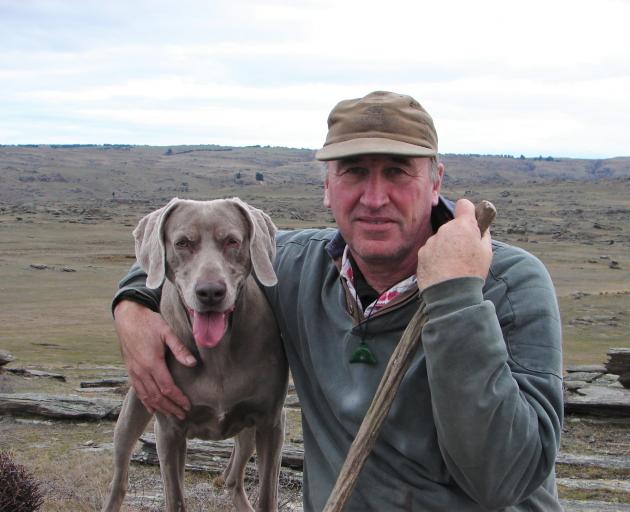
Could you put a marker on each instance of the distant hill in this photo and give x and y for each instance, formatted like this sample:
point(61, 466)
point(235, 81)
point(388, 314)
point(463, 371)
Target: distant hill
point(79, 174)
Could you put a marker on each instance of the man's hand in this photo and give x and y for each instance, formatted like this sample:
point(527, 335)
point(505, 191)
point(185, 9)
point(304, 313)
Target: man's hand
point(456, 250)
point(144, 336)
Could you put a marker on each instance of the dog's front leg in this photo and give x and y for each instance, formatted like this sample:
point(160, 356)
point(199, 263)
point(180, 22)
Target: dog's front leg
point(171, 448)
point(244, 445)
point(269, 439)
point(132, 420)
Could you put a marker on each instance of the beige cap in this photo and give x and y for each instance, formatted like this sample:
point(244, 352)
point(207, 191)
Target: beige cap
point(382, 123)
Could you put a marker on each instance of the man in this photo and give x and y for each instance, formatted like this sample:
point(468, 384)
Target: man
point(476, 422)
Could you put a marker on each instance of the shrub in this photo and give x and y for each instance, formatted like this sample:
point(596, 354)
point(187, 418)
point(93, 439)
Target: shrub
point(19, 492)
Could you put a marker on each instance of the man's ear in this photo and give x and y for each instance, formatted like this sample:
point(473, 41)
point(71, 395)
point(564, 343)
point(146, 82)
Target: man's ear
point(437, 184)
point(326, 193)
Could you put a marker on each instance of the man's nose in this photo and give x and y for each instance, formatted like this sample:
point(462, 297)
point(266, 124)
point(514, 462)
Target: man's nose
point(375, 192)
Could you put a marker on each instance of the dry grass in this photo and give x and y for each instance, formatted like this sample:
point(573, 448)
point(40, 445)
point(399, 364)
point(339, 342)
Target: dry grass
point(73, 463)
point(60, 321)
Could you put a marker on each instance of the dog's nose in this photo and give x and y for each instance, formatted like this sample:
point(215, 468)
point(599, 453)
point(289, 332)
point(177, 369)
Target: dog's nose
point(210, 293)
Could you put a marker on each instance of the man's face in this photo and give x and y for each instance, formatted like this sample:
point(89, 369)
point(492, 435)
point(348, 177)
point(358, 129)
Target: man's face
point(382, 205)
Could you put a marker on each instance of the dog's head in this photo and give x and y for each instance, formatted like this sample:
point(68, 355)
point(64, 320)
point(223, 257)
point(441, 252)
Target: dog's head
point(206, 249)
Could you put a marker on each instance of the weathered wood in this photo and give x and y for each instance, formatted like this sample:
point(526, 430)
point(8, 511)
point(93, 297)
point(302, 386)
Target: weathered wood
point(67, 406)
point(5, 357)
point(593, 506)
point(574, 385)
point(618, 361)
point(292, 455)
point(585, 376)
point(582, 398)
point(599, 401)
point(95, 390)
point(212, 456)
point(59, 407)
point(593, 461)
point(599, 368)
point(607, 379)
point(594, 484)
point(36, 373)
point(111, 382)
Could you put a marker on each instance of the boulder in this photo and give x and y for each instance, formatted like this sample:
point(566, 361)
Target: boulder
point(5, 357)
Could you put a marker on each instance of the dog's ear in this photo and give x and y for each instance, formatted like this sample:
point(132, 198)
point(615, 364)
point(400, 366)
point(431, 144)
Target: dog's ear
point(262, 245)
point(149, 240)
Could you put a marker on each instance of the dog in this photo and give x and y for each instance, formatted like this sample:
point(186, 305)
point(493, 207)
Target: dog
point(205, 254)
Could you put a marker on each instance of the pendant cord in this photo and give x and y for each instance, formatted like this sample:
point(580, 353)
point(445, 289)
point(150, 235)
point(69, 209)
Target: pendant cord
point(362, 353)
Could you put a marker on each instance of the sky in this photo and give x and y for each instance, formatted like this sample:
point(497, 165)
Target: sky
point(536, 77)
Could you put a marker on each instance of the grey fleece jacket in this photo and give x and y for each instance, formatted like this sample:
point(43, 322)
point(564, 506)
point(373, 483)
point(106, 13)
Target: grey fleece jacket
point(476, 423)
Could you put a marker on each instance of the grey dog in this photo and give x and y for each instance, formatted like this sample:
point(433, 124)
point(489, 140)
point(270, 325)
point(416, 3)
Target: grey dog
point(204, 255)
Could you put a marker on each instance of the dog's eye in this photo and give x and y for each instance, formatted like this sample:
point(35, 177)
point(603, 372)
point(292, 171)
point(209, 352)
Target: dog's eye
point(182, 243)
point(232, 243)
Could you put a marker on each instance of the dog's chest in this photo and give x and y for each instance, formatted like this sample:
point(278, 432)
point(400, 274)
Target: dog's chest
point(225, 401)
point(206, 422)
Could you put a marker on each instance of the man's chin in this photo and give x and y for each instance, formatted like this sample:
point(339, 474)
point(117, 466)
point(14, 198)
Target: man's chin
point(381, 253)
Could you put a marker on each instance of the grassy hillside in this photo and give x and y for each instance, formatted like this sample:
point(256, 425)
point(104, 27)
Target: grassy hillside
point(66, 216)
point(76, 206)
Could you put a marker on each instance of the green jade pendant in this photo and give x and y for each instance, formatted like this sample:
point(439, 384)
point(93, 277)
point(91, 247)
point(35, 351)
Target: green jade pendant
point(362, 354)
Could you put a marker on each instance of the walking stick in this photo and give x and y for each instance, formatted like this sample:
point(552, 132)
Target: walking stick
point(386, 391)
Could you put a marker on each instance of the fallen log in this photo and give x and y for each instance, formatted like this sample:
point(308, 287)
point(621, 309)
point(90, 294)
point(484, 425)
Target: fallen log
point(593, 506)
point(618, 360)
point(59, 407)
point(292, 455)
point(593, 461)
point(595, 484)
point(598, 401)
point(36, 373)
point(619, 364)
point(67, 407)
point(574, 368)
point(112, 382)
point(584, 376)
point(212, 456)
point(590, 399)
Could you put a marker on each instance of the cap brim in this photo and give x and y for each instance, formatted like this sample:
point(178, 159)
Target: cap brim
point(371, 146)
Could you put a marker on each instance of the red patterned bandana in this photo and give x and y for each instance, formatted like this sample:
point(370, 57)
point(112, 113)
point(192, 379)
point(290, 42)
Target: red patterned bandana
point(385, 298)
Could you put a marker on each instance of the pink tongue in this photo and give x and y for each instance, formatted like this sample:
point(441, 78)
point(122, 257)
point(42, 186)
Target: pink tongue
point(208, 328)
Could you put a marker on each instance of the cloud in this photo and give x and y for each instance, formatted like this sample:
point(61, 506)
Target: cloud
point(498, 77)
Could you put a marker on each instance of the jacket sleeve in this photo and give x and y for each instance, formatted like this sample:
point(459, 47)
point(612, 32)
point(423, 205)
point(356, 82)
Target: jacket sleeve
point(133, 287)
point(494, 365)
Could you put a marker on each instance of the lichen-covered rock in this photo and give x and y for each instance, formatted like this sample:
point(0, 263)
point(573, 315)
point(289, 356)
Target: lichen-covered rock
point(5, 357)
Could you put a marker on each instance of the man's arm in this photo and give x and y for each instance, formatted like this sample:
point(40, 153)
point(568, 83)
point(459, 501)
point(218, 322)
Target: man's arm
point(494, 374)
point(133, 287)
point(144, 337)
